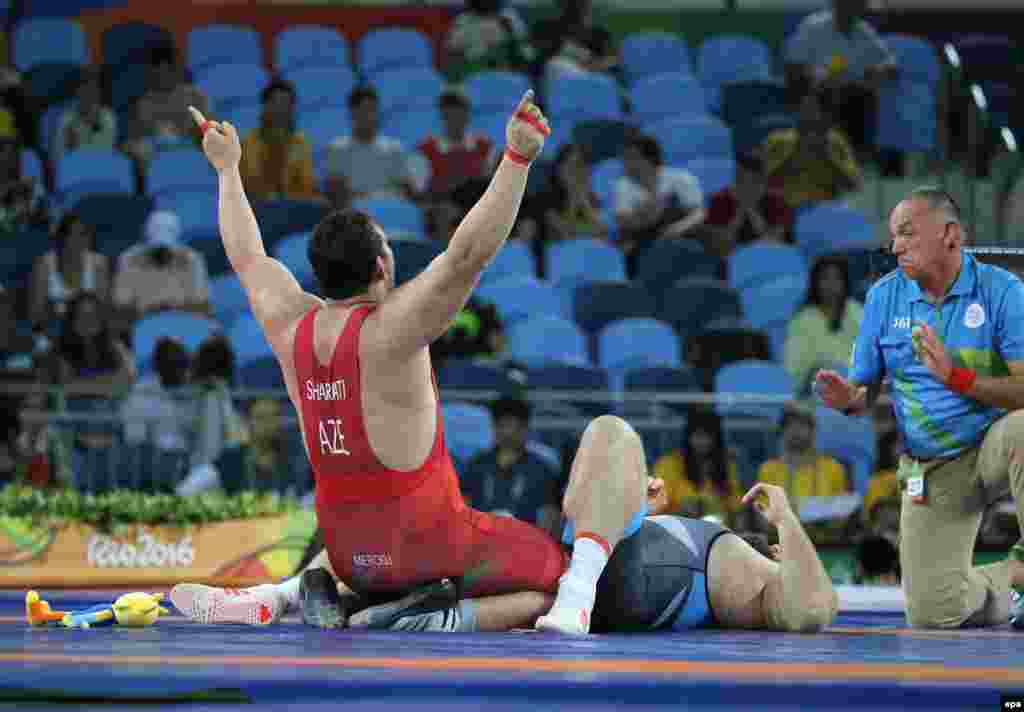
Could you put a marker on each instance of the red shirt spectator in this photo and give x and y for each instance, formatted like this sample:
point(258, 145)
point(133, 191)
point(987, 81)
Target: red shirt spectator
point(750, 210)
point(457, 156)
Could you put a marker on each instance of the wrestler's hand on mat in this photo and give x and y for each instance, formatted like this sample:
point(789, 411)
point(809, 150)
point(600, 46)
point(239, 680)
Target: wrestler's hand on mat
point(527, 128)
point(835, 391)
point(657, 496)
point(931, 351)
point(770, 501)
point(220, 141)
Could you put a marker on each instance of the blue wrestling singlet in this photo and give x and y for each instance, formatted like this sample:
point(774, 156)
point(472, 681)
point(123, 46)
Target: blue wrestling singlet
point(657, 578)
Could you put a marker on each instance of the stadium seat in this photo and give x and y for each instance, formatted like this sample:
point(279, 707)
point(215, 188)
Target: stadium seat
point(321, 127)
point(208, 45)
point(407, 89)
point(725, 341)
point(412, 127)
point(93, 170)
point(632, 342)
point(753, 378)
point(750, 137)
point(667, 261)
point(128, 42)
point(583, 97)
point(245, 117)
point(128, 83)
point(601, 139)
point(262, 374)
point(597, 304)
point(309, 46)
point(744, 102)
point(46, 40)
point(31, 166)
point(291, 251)
point(209, 246)
point(714, 174)
point(227, 298)
point(750, 265)
point(603, 177)
point(318, 87)
point(518, 297)
point(190, 329)
point(54, 83)
point(665, 96)
point(388, 49)
point(183, 169)
point(18, 254)
point(833, 226)
point(229, 84)
point(468, 429)
point(412, 257)
point(907, 117)
point(543, 339)
point(399, 218)
point(515, 259)
point(280, 218)
point(582, 379)
point(849, 440)
point(916, 58)
point(468, 374)
point(725, 59)
point(117, 220)
point(686, 138)
point(692, 303)
point(197, 209)
point(647, 54)
point(658, 381)
point(495, 92)
point(584, 260)
point(770, 305)
point(247, 340)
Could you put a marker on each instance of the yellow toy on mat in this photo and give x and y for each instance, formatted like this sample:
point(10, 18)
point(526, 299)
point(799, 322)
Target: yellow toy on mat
point(135, 610)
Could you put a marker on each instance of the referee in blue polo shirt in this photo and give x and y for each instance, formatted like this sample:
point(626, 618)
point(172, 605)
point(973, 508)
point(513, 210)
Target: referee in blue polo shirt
point(947, 333)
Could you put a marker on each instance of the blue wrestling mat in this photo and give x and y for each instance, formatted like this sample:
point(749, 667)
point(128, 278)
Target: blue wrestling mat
point(866, 661)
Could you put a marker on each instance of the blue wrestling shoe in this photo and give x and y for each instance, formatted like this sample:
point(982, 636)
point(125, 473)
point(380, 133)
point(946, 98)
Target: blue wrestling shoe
point(319, 602)
point(1016, 610)
point(432, 597)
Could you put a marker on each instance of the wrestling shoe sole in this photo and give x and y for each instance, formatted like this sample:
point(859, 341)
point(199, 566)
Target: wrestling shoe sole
point(209, 604)
point(426, 599)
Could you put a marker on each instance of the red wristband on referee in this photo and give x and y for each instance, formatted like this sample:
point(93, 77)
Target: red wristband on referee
point(961, 379)
point(516, 157)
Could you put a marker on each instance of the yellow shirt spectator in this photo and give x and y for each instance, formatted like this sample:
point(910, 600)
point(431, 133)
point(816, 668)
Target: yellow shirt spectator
point(809, 177)
point(277, 164)
point(671, 467)
point(811, 344)
point(824, 477)
point(882, 485)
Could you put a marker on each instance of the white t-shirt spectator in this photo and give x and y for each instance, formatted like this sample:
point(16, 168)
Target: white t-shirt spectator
point(818, 43)
point(672, 183)
point(373, 169)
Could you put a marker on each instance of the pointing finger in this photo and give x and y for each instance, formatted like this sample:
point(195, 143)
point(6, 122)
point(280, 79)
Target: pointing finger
point(197, 116)
point(525, 101)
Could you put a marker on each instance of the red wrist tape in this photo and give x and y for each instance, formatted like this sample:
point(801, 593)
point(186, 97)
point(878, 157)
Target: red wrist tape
point(961, 379)
point(204, 127)
point(516, 157)
point(532, 121)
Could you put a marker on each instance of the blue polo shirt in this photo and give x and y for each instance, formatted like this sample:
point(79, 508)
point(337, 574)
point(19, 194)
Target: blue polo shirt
point(981, 324)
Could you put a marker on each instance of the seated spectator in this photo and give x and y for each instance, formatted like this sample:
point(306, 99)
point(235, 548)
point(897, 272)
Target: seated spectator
point(23, 201)
point(446, 162)
point(71, 268)
point(88, 123)
point(700, 477)
point(485, 36)
point(277, 161)
point(161, 118)
point(570, 207)
point(884, 484)
point(366, 164)
point(90, 356)
point(839, 54)
point(878, 562)
point(800, 469)
point(161, 273)
point(219, 426)
point(158, 410)
point(653, 201)
point(748, 211)
point(822, 333)
point(45, 461)
point(573, 44)
point(475, 333)
point(812, 162)
point(510, 479)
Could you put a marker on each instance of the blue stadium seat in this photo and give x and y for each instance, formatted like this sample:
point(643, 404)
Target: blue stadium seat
point(245, 117)
point(849, 440)
point(468, 374)
point(280, 218)
point(227, 298)
point(309, 45)
point(117, 220)
point(667, 95)
point(907, 117)
point(667, 261)
point(190, 329)
point(518, 297)
point(601, 139)
point(724, 59)
point(647, 54)
point(584, 260)
point(468, 429)
point(197, 209)
point(515, 259)
point(128, 83)
point(603, 177)
point(831, 227)
point(744, 102)
point(321, 127)
point(750, 137)
point(916, 58)
point(398, 217)
point(318, 87)
point(753, 378)
point(413, 127)
point(692, 303)
point(247, 340)
point(573, 377)
point(659, 380)
point(385, 50)
point(628, 343)
point(407, 89)
point(583, 97)
point(597, 304)
point(93, 170)
point(543, 339)
point(262, 374)
point(211, 249)
point(495, 92)
point(226, 85)
point(31, 166)
point(492, 125)
point(127, 43)
point(412, 257)
point(183, 169)
point(49, 123)
point(18, 254)
point(686, 138)
point(714, 174)
point(212, 44)
point(770, 305)
point(45, 40)
point(291, 252)
point(751, 265)
point(53, 83)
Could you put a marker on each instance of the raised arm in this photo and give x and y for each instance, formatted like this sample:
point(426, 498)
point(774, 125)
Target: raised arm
point(419, 312)
point(274, 294)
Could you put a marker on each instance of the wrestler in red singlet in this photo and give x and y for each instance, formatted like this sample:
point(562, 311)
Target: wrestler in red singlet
point(386, 530)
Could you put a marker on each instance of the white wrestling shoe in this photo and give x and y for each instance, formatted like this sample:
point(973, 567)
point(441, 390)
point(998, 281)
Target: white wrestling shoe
point(260, 605)
point(569, 620)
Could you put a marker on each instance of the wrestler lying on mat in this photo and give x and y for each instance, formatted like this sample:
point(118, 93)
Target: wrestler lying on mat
point(675, 573)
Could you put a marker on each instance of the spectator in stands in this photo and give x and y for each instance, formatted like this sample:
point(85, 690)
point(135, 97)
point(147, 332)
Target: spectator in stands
point(446, 162)
point(161, 117)
point(510, 479)
point(812, 162)
point(748, 211)
point(573, 44)
point(23, 201)
point(45, 458)
point(158, 409)
point(800, 469)
point(653, 201)
point(219, 426)
point(161, 273)
point(88, 123)
point(71, 268)
point(485, 36)
point(878, 562)
point(700, 477)
point(839, 54)
point(277, 161)
point(475, 333)
point(91, 356)
point(366, 164)
point(822, 333)
point(570, 207)
point(883, 484)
